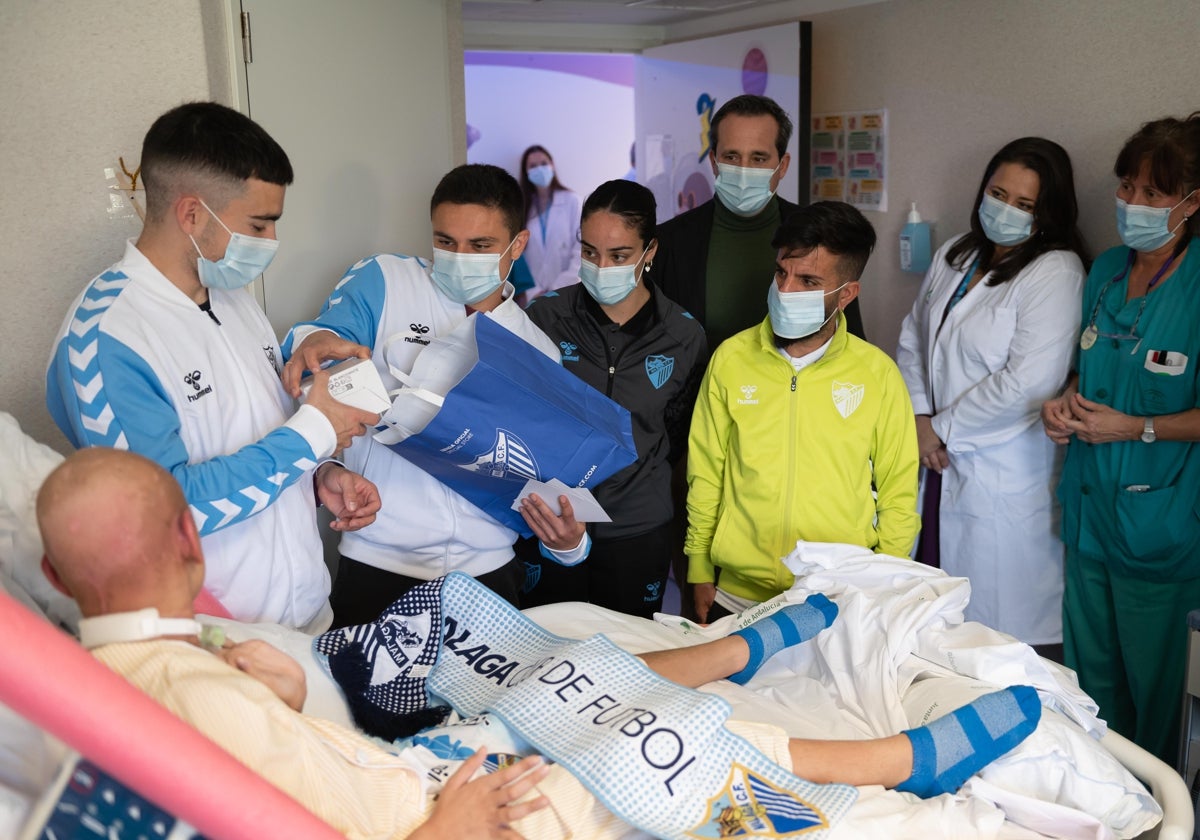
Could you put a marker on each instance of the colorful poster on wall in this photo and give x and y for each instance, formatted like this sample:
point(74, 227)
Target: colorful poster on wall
point(849, 158)
point(866, 159)
point(828, 146)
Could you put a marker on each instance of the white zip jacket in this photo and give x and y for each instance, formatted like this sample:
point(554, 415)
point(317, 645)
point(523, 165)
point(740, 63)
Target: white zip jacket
point(424, 529)
point(138, 365)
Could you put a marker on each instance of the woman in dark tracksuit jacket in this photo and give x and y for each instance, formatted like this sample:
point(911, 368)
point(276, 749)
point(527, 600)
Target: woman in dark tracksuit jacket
point(626, 339)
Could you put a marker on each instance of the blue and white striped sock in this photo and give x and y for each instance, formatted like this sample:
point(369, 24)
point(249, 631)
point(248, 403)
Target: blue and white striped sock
point(783, 628)
point(955, 747)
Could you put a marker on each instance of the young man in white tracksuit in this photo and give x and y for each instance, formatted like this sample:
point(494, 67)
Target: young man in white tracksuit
point(389, 307)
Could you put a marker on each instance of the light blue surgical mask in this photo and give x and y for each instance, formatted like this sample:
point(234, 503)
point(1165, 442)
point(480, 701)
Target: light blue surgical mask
point(541, 175)
point(611, 284)
point(797, 315)
point(1004, 224)
point(1144, 228)
point(245, 258)
point(744, 189)
point(467, 278)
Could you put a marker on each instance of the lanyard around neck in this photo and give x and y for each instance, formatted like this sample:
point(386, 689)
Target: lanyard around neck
point(1091, 333)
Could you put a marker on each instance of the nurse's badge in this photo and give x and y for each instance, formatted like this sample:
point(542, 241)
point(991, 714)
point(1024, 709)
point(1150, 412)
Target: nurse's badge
point(1088, 338)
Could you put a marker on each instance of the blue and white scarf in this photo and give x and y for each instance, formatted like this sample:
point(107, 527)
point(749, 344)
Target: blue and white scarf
point(656, 754)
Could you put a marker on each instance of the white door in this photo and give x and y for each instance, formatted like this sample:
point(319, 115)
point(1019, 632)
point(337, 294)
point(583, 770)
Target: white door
point(365, 98)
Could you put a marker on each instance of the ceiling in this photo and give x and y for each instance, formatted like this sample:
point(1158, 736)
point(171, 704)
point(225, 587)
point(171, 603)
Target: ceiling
point(611, 12)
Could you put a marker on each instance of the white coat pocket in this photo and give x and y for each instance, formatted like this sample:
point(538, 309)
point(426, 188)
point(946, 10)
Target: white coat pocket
point(988, 334)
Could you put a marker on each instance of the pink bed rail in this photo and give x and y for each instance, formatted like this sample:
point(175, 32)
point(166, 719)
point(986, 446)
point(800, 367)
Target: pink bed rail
point(46, 677)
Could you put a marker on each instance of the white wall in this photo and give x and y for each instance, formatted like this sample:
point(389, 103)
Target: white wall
point(82, 82)
point(960, 78)
point(585, 122)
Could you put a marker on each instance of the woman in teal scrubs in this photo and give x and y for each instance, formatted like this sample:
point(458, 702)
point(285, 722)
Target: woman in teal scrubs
point(1130, 488)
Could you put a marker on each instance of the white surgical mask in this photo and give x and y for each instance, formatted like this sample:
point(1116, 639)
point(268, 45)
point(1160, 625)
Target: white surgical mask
point(541, 176)
point(743, 189)
point(611, 284)
point(245, 258)
point(1004, 224)
point(1144, 228)
point(798, 315)
point(467, 278)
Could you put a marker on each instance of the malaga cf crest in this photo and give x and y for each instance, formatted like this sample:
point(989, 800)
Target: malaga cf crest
point(750, 806)
point(659, 369)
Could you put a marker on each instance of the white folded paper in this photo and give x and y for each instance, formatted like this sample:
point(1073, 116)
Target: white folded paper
point(586, 508)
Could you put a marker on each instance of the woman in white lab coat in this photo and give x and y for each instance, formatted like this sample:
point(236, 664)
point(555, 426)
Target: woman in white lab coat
point(991, 337)
point(552, 216)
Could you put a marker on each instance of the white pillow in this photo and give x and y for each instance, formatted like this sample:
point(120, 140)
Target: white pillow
point(26, 467)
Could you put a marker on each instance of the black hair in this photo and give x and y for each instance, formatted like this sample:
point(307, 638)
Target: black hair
point(1172, 149)
point(628, 199)
point(207, 141)
point(750, 105)
point(484, 184)
point(528, 190)
point(833, 225)
point(1055, 214)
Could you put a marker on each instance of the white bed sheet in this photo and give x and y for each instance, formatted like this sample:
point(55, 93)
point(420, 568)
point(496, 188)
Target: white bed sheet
point(899, 646)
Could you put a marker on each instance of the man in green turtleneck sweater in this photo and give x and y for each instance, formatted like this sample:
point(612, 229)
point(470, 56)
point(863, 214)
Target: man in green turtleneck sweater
point(716, 259)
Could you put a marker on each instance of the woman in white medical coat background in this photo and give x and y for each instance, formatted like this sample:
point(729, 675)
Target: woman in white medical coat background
point(990, 337)
point(552, 216)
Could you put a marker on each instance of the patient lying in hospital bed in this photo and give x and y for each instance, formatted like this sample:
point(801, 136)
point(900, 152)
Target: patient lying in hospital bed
point(909, 657)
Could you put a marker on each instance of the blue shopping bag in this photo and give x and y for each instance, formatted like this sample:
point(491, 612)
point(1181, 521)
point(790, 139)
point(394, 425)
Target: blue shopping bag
point(507, 414)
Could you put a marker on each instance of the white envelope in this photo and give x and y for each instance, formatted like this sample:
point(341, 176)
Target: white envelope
point(586, 508)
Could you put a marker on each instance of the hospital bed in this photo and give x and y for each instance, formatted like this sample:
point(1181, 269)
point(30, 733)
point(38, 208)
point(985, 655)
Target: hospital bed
point(898, 649)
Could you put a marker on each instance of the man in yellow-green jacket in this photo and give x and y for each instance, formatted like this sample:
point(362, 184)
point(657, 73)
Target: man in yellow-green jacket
point(801, 430)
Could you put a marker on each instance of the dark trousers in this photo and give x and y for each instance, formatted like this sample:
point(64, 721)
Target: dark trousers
point(628, 574)
point(362, 592)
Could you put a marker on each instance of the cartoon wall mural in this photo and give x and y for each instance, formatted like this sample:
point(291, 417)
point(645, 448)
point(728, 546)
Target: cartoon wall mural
point(678, 88)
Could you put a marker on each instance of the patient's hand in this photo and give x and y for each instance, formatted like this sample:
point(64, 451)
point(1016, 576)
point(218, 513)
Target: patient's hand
point(271, 667)
point(482, 808)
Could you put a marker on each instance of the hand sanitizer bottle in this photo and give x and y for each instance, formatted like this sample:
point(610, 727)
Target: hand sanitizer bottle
point(914, 244)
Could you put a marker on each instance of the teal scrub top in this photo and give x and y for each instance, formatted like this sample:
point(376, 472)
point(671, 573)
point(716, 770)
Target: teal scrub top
point(1132, 505)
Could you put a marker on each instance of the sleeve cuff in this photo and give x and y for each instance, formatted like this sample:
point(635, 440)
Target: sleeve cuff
point(315, 428)
point(700, 570)
point(571, 556)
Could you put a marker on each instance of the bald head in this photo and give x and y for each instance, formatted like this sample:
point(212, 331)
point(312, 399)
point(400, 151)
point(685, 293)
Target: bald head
point(118, 534)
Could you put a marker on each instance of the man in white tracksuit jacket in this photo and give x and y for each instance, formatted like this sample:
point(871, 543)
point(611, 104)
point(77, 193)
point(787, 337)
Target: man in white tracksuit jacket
point(167, 354)
point(394, 305)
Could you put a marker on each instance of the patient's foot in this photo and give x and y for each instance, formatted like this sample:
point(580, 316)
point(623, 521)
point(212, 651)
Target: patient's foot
point(789, 626)
point(955, 747)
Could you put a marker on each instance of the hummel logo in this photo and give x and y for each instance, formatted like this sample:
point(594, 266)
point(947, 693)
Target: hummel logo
point(193, 379)
point(271, 360)
point(419, 329)
point(748, 392)
point(568, 351)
